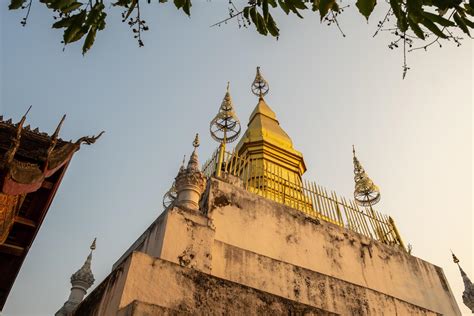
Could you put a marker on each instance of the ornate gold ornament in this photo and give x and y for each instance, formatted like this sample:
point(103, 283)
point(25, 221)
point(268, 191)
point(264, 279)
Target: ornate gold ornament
point(225, 127)
point(260, 86)
point(366, 193)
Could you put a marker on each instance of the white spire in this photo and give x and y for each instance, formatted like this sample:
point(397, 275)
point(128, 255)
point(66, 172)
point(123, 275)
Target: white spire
point(190, 182)
point(81, 281)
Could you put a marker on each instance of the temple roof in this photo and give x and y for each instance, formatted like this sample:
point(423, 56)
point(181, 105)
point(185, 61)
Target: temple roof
point(32, 165)
point(264, 128)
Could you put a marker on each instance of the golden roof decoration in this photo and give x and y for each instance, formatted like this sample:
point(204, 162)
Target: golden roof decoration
point(225, 127)
point(366, 193)
point(260, 86)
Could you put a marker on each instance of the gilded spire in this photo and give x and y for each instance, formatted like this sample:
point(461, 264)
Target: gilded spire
point(468, 294)
point(225, 127)
point(366, 193)
point(260, 86)
point(266, 143)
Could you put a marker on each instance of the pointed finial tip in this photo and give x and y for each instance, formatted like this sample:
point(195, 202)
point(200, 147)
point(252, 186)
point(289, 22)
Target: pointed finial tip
point(93, 245)
point(455, 259)
point(260, 85)
point(27, 111)
point(353, 150)
point(196, 141)
point(228, 86)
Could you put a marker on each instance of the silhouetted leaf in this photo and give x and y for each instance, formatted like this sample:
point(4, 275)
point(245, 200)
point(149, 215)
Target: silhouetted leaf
point(460, 22)
point(16, 4)
point(438, 19)
point(433, 28)
point(366, 7)
point(415, 28)
point(89, 41)
point(325, 6)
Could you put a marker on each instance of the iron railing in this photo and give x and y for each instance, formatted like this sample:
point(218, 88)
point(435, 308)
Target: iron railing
point(267, 180)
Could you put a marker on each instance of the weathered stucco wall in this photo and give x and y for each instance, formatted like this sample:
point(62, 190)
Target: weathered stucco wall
point(305, 286)
point(154, 286)
point(249, 222)
point(275, 250)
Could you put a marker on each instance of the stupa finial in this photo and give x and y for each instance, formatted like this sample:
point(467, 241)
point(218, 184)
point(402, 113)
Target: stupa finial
point(260, 86)
point(93, 245)
point(190, 182)
point(468, 294)
point(81, 281)
point(225, 127)
point(196, 142)
point(366, 193)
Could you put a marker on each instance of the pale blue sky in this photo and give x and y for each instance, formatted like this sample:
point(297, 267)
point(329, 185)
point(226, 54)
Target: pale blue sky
point(414, 137)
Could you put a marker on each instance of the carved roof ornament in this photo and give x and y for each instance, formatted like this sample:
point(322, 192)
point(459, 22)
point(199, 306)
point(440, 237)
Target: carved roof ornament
point(10, 154)
point(366, 193)
point(22, 177)
point(225, 126)
point(468, 294)
point(260, 86)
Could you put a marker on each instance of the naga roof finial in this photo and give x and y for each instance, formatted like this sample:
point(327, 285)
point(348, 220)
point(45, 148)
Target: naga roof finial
point(10, 154)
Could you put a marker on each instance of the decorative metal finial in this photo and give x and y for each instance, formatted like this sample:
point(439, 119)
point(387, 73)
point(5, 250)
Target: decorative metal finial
point(225, 127)
point(170, 196)
point(366, 193)
point(455, 259)
point(468, 293)
point(93, 245)
point(260, 86)
point(196, 141)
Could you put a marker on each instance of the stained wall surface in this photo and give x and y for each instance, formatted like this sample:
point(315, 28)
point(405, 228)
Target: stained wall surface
point(246, 240)
point(275, 231)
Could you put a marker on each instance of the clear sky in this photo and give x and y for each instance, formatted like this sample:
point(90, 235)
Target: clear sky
point(414, 137)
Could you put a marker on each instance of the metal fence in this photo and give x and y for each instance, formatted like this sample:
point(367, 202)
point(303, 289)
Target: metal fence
point(267, 180)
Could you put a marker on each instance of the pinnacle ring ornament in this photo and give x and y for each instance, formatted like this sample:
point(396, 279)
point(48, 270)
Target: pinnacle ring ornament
point(225, 127)
point(366, 193)
point(260, 86)
point(170, 196)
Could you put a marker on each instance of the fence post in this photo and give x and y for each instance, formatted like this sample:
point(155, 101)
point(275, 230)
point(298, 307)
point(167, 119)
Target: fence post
point(397, 234)
point(220, 158)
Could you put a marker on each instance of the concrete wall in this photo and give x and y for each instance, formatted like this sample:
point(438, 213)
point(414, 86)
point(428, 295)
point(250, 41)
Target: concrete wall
point(154, 286)
point(305, 286)
point(261, 226)
point(243, 238)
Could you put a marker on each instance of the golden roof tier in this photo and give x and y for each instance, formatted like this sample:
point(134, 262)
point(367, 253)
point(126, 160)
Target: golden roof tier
point(266, 142)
